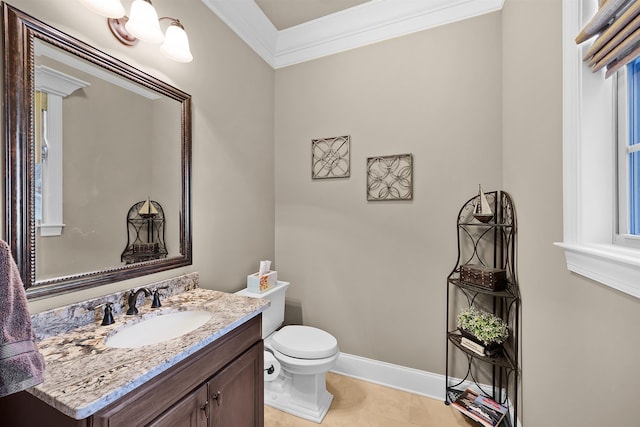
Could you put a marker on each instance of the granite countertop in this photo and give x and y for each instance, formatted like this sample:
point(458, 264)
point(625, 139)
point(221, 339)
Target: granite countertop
point(83, 375)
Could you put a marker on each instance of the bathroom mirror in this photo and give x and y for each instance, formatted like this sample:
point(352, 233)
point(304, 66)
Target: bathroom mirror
point(87, 137)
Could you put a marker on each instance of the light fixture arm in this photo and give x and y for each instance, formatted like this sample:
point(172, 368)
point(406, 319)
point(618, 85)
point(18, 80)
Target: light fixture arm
point(174, 21)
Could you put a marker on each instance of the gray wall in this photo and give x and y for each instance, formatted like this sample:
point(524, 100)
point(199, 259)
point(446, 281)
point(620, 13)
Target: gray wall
point(374, 273)
point(580, 341)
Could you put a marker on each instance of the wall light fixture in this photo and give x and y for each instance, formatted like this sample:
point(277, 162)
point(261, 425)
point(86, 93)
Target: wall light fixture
point(143, 24)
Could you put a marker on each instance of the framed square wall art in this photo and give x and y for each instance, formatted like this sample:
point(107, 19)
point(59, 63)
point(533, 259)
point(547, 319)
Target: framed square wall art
point(390, 177)
point(330, 157)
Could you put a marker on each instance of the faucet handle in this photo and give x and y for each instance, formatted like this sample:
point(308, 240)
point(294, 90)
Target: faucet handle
point(131, 300)
point(108, 314)
point(156, 299)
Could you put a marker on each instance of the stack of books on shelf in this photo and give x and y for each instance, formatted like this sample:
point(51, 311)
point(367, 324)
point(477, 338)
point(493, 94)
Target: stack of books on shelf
point(480, 408)
point(489, 350)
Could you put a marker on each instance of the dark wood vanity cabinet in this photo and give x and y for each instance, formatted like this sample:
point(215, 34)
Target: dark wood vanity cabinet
point(220, 385)
point(189, 412)
point(230, 401)
point(227, 399)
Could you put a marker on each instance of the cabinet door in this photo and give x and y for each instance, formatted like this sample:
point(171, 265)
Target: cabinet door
point(189, 412)
point(236, 394)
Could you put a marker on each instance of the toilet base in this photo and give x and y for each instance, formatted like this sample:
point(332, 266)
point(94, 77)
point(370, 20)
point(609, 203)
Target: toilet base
point(304, 396)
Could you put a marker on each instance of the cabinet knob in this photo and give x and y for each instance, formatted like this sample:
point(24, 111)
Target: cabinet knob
point(217, 397)
point(204, 405)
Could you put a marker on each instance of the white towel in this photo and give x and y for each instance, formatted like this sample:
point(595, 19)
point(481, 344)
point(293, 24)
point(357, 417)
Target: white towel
point(21, 364)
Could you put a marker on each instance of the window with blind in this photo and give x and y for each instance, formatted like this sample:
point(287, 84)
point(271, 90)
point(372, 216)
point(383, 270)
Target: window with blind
point(594, 242)
point(628, 162)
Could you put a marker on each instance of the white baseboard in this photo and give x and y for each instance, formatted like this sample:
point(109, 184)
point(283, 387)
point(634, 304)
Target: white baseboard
point(390, 375)
point(395, 376)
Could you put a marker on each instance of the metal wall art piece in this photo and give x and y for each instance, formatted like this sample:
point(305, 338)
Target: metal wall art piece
point(390, 177)
point(330, 157)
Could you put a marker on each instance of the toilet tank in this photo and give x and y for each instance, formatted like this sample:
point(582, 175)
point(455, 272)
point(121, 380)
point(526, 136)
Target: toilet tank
point(273, 316)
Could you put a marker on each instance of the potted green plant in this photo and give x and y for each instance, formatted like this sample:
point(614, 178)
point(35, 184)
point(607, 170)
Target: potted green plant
point(483, 327)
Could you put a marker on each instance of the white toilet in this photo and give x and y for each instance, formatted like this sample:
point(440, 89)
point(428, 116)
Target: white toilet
point(299, 356)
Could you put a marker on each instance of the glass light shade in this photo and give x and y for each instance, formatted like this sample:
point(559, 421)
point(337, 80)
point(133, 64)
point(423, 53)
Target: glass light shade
point(143, 22)
point(106, 8)
point(176, 44)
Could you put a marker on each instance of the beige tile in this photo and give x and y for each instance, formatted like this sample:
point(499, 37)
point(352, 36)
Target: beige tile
point(386, 404)
point(347, 393)
point(431, 412)
point(359, 403)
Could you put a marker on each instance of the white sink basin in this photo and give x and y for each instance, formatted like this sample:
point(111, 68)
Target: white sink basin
point(163, 327)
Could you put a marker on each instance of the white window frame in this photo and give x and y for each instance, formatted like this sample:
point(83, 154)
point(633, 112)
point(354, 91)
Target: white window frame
point(622, 137)
point(622, 236)
point(57, 86)
point(589, 166)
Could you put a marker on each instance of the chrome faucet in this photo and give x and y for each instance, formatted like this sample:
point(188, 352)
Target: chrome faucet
point(133, 298)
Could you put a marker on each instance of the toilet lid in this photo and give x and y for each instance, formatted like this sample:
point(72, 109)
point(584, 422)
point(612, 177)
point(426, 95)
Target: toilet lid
point(304, 342)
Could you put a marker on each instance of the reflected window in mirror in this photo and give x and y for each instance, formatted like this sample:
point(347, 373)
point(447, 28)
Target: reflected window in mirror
point(52, 87)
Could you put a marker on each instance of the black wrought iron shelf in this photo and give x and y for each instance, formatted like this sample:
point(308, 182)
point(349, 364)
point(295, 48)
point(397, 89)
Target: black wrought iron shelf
point(146, 220)
point(508, 292)
point(145, 233)
point(491, 244)
point(485, 224)
point(500, 359)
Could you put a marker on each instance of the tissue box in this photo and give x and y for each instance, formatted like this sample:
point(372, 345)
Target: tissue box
point(261, 283)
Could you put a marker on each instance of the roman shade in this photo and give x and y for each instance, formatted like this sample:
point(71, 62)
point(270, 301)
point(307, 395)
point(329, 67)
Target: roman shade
point(617, 25)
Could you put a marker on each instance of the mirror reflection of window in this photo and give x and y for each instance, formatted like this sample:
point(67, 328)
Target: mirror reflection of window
point(52, 86)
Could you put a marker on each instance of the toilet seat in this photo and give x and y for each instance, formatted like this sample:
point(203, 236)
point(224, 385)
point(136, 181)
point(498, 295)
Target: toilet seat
point(304, 342)
point(295, 365)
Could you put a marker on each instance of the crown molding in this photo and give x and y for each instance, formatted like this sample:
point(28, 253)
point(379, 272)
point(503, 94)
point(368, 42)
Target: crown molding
point(248, 21)
point(370, 22)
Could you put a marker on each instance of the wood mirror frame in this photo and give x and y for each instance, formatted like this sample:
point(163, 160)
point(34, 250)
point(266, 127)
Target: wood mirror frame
point(19, 32)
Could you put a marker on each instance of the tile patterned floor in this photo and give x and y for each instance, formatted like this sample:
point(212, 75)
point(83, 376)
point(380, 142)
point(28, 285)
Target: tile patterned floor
point(362, 404)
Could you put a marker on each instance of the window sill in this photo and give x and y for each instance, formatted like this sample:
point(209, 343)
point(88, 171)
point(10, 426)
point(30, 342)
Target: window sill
point(50, 229)
point(616, 267)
